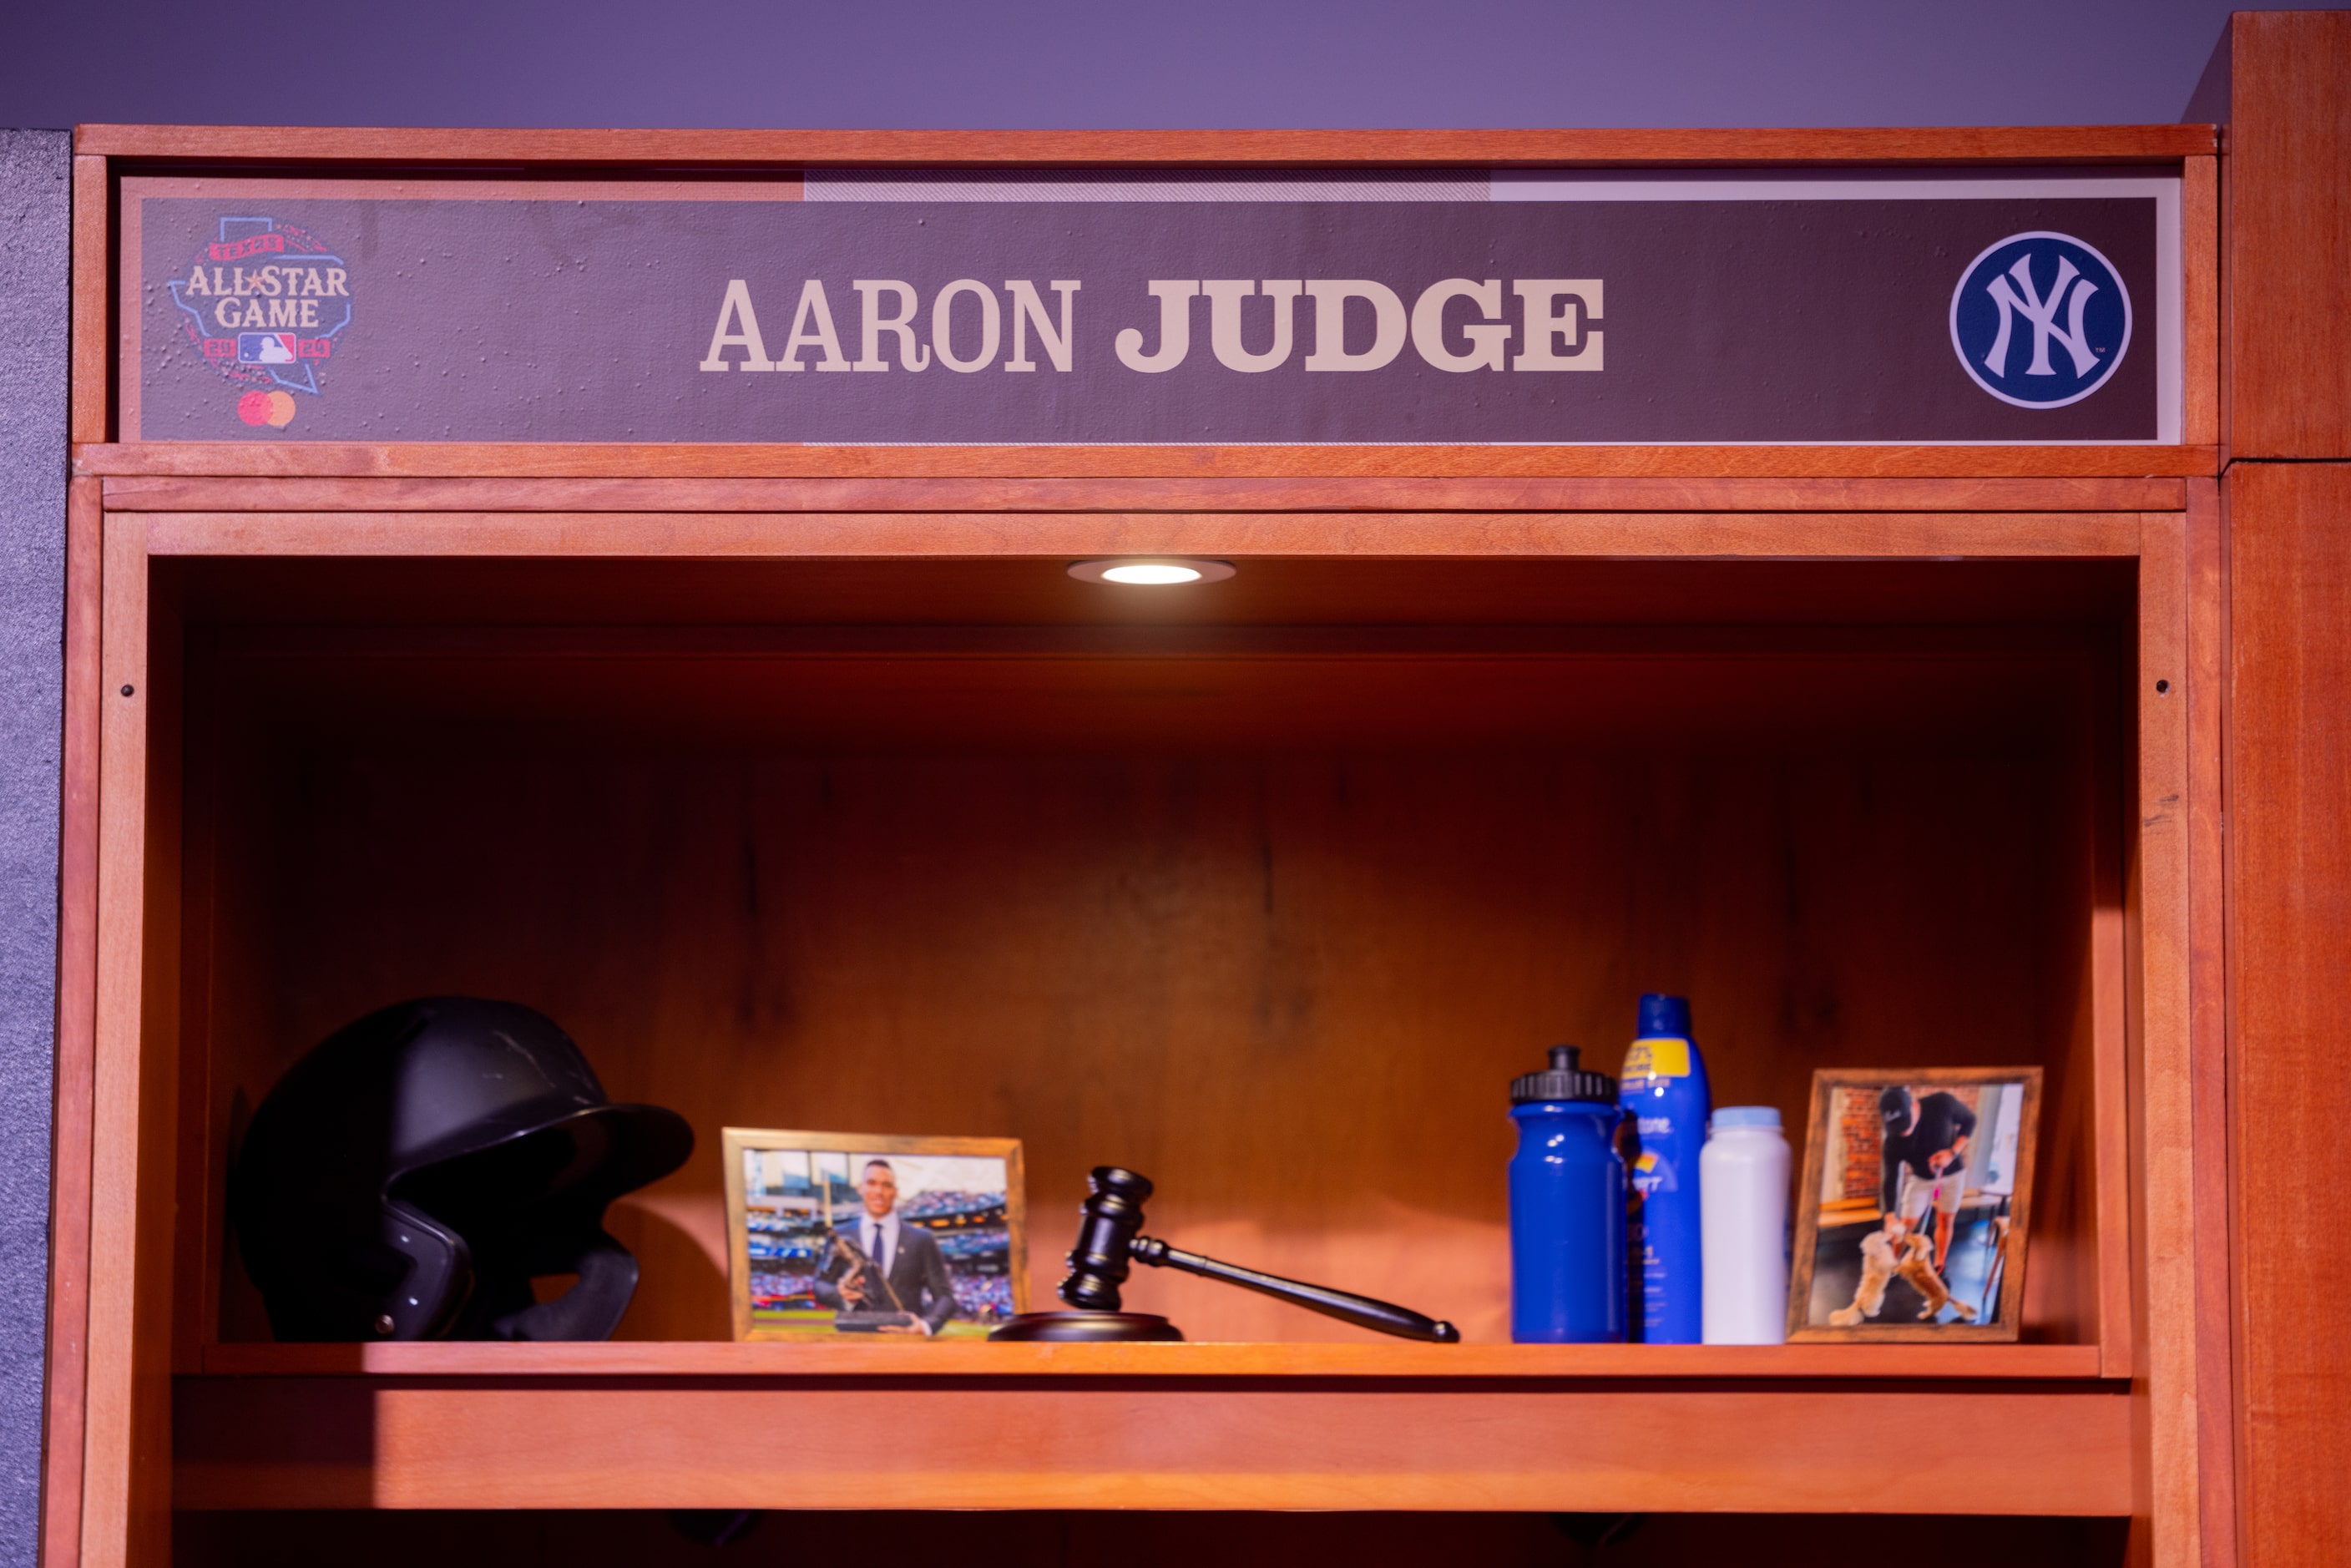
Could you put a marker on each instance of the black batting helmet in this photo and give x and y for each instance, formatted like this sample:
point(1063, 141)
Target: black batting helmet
point(412, 1175)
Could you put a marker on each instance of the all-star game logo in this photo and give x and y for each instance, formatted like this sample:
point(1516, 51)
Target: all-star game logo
point(265, 303)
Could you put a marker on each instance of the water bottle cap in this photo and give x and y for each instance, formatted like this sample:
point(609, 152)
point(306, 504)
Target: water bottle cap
point(1745, 1117)
point(1563, 1081)
point(1664, 1017)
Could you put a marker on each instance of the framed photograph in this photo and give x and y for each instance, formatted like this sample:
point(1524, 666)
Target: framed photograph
point(874, 1233)
point(1913, 1208)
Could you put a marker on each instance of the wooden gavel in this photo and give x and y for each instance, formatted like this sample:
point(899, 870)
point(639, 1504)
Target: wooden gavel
point(1110, 1237)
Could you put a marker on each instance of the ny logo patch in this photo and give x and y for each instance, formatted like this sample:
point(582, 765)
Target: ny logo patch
point(2041, 320)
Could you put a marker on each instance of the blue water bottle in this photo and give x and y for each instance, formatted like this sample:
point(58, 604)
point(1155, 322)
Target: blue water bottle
point(1567, 1208)
point(1666, 1107)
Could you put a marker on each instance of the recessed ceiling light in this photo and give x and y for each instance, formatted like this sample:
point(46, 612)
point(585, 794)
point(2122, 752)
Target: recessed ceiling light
point(1151, 571)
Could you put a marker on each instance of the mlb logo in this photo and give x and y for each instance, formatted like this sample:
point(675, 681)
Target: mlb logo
point(265, 349)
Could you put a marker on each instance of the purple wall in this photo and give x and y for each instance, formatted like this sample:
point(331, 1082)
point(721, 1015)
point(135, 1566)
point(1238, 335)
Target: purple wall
point(1080, 63)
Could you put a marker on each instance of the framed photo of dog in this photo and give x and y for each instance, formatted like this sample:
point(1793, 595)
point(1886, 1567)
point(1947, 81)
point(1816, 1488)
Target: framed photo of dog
point(1915, 1203)
point(873, 1233)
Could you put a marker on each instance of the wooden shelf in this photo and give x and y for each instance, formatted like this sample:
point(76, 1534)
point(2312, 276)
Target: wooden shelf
point(1796, 1429)
point(977, 1361)
point(780, 460)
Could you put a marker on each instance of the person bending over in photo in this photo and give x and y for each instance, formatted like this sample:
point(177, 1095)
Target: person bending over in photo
point(906, 1254)
point(1926, 1147)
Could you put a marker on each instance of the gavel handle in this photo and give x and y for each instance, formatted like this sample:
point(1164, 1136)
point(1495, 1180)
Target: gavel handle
point(1362, 1311)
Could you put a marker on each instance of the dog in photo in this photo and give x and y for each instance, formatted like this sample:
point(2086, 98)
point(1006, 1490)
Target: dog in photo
point(1918, 1268)
point(1885, 1257)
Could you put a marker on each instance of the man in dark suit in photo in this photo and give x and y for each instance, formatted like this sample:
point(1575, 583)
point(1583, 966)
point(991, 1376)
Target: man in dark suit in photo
point(907, 1256)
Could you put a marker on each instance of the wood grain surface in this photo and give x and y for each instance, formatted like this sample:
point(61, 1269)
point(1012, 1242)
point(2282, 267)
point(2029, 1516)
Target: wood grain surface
point(2289, 987)
point(453, 459)
point(88, 417)
point(125, 1477)
point(1477, 492)
point(1025, 603)
point(2207, 658)
point(1011, 692)
point(717, 149)
point(2101, 1054)
point(2200, 224)
point(2165, 1178)
point(1273, 923)
point(1077, 535)
point(69, 1163)
point(274, 1443)
point(854, 1356)
point(2289, 263)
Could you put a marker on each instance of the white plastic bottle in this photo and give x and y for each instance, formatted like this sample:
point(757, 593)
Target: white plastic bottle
point(1742, 1175)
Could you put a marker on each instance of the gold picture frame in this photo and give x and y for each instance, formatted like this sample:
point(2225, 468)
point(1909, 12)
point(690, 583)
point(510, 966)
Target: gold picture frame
point(799, 1219)
point(1954, 1268)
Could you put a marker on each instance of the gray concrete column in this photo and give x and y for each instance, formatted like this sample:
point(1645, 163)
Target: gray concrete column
point(34, 170)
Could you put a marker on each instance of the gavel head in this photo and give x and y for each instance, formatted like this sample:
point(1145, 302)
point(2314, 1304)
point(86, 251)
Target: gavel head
point(1112, 1216)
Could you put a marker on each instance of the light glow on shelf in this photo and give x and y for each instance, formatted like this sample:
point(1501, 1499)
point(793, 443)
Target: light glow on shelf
point(1143, 572)
point(1151, 573)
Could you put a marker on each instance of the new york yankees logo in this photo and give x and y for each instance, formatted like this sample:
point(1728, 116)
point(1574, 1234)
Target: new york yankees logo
point(2041, 320)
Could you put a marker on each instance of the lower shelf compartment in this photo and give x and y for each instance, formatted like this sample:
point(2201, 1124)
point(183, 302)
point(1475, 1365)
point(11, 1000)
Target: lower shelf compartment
point(1798, 1429)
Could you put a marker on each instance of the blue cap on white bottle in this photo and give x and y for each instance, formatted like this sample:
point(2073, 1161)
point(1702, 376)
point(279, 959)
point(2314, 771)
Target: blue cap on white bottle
point(1744, 1116)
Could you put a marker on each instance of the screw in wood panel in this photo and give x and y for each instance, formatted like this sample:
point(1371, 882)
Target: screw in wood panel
point(126, 691)
point(2162, 688)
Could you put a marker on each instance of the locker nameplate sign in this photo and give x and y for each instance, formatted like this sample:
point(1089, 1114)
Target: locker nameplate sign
point(1288, 308)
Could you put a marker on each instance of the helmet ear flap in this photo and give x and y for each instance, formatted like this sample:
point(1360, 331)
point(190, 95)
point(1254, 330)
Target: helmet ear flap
point(591, 1309)
point(406, 1281)
point(440, 1276)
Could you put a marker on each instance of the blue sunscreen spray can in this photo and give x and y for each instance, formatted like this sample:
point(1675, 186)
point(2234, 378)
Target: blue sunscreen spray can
point(1567, 1208)
point(1666, 1104)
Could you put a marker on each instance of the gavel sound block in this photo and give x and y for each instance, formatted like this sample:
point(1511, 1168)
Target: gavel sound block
point(1110, 1237)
